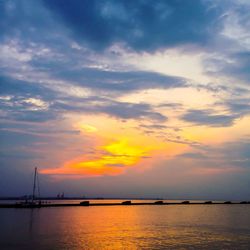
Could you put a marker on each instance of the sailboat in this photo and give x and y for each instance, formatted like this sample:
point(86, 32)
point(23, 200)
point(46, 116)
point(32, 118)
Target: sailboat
point(33, 203)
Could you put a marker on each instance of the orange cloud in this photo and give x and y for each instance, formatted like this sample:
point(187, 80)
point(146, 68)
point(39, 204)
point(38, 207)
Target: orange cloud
point(114, 159)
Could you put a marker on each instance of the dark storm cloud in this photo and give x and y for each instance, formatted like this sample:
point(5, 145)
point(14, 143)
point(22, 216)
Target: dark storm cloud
point(141, 25)
point(209, 118)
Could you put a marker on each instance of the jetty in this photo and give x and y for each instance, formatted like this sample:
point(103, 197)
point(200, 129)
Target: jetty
point(123, 203)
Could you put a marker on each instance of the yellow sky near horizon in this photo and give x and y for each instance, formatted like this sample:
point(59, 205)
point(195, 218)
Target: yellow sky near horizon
point(120, 145)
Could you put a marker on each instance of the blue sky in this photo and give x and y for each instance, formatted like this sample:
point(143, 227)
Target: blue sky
point(126, 98)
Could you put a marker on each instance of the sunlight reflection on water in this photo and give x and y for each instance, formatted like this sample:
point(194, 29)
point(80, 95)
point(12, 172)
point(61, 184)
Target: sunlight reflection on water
point(125, 227)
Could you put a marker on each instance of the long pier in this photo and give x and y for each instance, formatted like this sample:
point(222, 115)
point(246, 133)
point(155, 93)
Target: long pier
point(124, 203)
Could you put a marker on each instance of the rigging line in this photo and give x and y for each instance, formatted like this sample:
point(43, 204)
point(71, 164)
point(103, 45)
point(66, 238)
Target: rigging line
point(34, 185)
point(38, 185)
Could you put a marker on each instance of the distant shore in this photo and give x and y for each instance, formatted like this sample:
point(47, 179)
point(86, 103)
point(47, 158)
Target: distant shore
point(13, 198)
point(78, 198)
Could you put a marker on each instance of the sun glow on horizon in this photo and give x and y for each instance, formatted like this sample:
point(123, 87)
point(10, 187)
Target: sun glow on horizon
point(132, 146)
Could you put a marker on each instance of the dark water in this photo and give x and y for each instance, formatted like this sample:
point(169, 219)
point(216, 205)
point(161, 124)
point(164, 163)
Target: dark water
point(127, 227)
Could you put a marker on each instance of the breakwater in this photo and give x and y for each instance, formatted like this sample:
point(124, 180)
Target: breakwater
point(123, 203)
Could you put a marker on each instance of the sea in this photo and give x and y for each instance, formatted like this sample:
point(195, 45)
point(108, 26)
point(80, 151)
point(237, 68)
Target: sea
point(126, 227)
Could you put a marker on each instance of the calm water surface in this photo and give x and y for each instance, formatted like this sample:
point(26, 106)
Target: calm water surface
point(127, 227)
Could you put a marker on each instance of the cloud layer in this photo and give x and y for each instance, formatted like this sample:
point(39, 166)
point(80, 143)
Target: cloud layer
point(79, 79)
point(141, 25)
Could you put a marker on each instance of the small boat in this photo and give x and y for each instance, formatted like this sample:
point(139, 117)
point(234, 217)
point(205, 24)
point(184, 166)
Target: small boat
point(126, 203)
point(84, 203)
point(158, 202)
point(208, 202)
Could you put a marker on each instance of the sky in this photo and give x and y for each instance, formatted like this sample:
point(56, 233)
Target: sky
point(135, 98)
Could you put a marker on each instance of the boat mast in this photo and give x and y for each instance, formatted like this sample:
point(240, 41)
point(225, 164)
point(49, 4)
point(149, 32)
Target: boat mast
point(34, 185)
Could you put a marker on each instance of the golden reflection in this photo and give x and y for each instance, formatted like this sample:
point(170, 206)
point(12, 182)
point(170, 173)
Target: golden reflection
point(147, 227)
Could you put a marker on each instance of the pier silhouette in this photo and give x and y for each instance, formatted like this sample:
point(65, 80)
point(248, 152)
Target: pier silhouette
point(123, 203)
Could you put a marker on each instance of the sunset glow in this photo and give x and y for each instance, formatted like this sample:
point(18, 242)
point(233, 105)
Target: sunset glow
point(113, 159)
point(150, 96)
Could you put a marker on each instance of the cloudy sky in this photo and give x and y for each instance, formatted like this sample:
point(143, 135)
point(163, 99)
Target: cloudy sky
point(126, 98)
